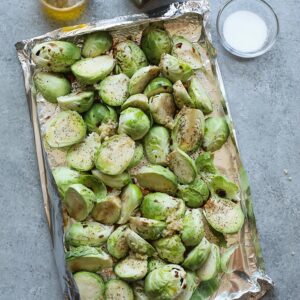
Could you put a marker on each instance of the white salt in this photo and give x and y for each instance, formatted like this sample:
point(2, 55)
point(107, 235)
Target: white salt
point(245, 31)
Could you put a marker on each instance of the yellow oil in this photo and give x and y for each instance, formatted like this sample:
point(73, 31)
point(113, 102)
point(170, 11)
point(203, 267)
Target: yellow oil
point(64, 10)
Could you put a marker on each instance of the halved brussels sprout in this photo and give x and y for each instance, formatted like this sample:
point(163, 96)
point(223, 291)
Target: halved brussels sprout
point(130, 57)
point(181, 96)
point(134, 122)
point(205, 163)
point(198, 256)
point(185, 50)
point(115, 154)
point(90, 285)
point(224, 188)
point(117, 244)
point(147, 228)
point(193, 228)
point(224, 215)
point(107, 210)
point(80, 101)
point(131, 268)
point(162, 108)
point(138, 290)
point(157, 178)
point(138, 101)
point(157, 145)
point(51, 85)
point(192, 283)
point(88, 234)
point(131, 198)
point(188, 131)
point(138, 244)
point(65, 129)
point(138, 155)
point(199, 96)
point(216, 133)
point(158, 85)
point(113, 90)
point(175, 69)
point(113, 181)
point(211, 267)
point(86, 258)
point(194, 194)
point(155, 263)
point(79, 201)
point(117, 289)
point(81, 156)
point(56, 56)
point(97, 186)
point(96, 43)
point(182, 165)
point(170, 248)
point(165, 283)
point(141, 78)
point(155, 42)
point(92, 70)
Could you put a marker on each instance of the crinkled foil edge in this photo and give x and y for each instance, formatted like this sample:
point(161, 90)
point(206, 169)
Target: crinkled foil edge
point(258, 282)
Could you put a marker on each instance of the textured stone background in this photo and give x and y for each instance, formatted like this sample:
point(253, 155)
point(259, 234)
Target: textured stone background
point(265, 104)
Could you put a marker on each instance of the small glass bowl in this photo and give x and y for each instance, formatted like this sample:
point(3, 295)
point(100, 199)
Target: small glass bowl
point(259, 7)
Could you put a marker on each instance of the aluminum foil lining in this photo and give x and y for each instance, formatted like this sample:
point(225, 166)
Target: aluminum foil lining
point(190, 19)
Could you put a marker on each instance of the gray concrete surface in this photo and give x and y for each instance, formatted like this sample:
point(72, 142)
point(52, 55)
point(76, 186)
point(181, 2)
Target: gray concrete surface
point(265, 104)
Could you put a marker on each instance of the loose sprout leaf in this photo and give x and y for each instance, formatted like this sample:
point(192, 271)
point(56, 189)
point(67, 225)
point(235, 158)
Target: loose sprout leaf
point(225, 258)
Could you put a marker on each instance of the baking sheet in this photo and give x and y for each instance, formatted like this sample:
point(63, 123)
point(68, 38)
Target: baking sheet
point(190, 19)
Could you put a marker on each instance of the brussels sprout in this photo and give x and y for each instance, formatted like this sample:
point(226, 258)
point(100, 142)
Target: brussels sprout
point(92, 70)
point(157, 86)
point(90, 285)
point(115, 155)
point(97, 186)
point(184, 49)
point(113, 181)
point(65, 129)
point(138, 101)
point(147, 228)
point(130, 57)
point(141, 78)
point(87, 234)
point(211, 267)
point(170, 248)
point(155, 263)
point(162, 108)
point(131, 198)
point(86, 258)
point(205, 163)
point(131, 269)
point(138, 244)
point(138, 290)
point(207, 289)
point(81, 156)
point(188, 131)
point(134, 122)
point(117, 244)
point(56, 56)
point(193, 228)
point(175, 69)
point(165, 283)
point(223, 187)
point(157, 145)
point(183, 166)
point(224, 215)
point(181, 96)
point(79, 201)
point(51, 85)
point(96, 43)
point(138, 155)
point(225, 258)
point(107, 210)
point(113, 90)
point(155, 42)
point(216, 133)
point(199, 96)
point(194, 194)
point(117, 289)
point(157, 178)
point(198, 256)
point(80, 101)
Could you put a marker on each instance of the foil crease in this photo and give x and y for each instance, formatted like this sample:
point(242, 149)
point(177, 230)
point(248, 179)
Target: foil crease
point(191, 19)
